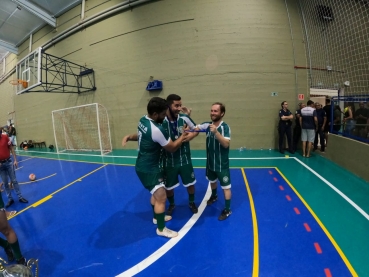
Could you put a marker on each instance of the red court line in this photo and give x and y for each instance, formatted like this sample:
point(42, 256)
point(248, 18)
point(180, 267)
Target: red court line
point(275, 179)
point(307, 227)
point(281, 187)
point(317, 248)
point(270, 172)
point(296, 211)
point(288, 197)
point(327, 272)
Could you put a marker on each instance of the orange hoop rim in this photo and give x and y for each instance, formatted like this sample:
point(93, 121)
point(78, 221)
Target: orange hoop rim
point(19, 82)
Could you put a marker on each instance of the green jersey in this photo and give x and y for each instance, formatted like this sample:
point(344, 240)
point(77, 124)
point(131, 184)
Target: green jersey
point(151, 138)
point(183, 155)
point(217, 156)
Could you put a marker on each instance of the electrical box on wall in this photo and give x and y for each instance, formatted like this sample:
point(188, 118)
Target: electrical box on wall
point(154, 85)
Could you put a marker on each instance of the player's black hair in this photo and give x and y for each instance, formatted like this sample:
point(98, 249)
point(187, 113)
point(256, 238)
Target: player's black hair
point(172, 97)
point(156, 105)
point(309, 103)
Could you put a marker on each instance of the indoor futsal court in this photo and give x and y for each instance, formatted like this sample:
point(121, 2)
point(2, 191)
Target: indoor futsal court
point(89, 216)
point(80, 80)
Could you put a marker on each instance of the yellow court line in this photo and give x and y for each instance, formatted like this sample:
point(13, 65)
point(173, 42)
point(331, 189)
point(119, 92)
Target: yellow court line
point(41, 201)
point(340, 252)
point(30, 182)
point(255, 267)
point(55, 192)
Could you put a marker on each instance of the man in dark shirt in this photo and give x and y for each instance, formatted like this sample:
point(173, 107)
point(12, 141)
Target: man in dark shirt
point(297, 128)
point(361, 116)
point(322, 119)
point(328, 112)
point(284, 127)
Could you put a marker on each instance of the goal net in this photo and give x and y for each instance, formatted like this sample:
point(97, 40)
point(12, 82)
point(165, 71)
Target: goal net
point(82, 128)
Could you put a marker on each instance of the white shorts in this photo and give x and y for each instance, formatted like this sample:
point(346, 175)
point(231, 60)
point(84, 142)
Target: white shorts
point(308, 135)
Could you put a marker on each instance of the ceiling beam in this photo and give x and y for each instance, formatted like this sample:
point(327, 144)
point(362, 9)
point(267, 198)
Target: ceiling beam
point(37, 11)
point(9, 47)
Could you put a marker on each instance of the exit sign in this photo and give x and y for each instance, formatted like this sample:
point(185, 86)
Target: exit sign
point(301, 97)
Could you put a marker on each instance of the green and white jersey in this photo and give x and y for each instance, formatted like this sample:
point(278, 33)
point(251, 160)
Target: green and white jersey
point(151, 138)
point(183, 154)
point(217, 156)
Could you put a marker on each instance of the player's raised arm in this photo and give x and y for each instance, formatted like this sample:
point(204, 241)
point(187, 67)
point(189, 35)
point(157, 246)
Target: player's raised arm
point(131, 137)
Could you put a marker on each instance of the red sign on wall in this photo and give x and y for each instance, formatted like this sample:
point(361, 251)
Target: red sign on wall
point(301, 97)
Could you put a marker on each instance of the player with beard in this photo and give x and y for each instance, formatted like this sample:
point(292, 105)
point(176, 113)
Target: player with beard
point(151, 138)
point(218, 136)
point(178, 163)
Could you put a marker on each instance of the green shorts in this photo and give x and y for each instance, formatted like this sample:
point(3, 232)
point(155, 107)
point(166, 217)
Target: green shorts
point(224, 177)
point(186, 173)
point(151, 181)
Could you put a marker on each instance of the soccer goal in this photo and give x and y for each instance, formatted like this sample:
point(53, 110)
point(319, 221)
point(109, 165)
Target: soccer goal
point(82, 128)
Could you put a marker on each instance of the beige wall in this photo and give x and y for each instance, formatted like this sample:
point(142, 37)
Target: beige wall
point(236, 51)
point(349, 154)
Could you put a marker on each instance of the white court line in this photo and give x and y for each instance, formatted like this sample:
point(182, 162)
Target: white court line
point(25, 160)
point(352, 203)
point(170, 244)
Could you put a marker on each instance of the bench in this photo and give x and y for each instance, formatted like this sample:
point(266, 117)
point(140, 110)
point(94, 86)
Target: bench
point(39, 143)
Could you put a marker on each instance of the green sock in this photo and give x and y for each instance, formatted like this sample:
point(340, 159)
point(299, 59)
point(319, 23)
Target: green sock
point(171, 200)
point(214, 192)
point(161, 222)
point(3, 243)
point(228, 204)
point(153, 210)
point(16, 250)
point(191, 197)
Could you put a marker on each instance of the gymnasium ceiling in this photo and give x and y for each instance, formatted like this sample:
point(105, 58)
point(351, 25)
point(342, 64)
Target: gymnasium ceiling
point(20, 18)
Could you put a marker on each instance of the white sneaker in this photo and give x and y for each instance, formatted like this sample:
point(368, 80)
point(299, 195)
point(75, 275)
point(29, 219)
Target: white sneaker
point(167, 233)
point(166, 218)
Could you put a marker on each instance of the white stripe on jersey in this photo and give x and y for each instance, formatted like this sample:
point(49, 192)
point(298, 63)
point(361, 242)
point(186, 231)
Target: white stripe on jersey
point(157, 135)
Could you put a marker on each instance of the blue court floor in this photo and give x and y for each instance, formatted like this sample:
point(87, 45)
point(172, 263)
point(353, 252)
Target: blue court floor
point(93, 218)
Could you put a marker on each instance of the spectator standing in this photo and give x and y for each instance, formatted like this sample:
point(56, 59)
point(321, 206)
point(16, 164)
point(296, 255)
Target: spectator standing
point(309, 124)
point(322, 120)
point(361, 116)
point(284, 127)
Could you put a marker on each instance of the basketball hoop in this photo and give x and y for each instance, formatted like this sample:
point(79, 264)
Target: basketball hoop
point(19, 82)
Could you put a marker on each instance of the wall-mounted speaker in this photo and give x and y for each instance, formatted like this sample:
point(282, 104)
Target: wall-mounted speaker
point(325, 13)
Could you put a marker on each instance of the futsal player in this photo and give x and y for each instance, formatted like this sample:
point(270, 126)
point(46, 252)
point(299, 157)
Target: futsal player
point(218, 136)
point(151, 138)
point(178, 163)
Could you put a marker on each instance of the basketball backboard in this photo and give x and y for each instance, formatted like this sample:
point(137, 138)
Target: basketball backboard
point(28, 71)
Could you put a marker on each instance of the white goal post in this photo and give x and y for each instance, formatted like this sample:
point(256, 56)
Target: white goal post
point(82, 128)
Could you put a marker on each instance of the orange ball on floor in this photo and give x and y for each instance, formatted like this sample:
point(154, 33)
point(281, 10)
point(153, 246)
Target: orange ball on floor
point(32, 177)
